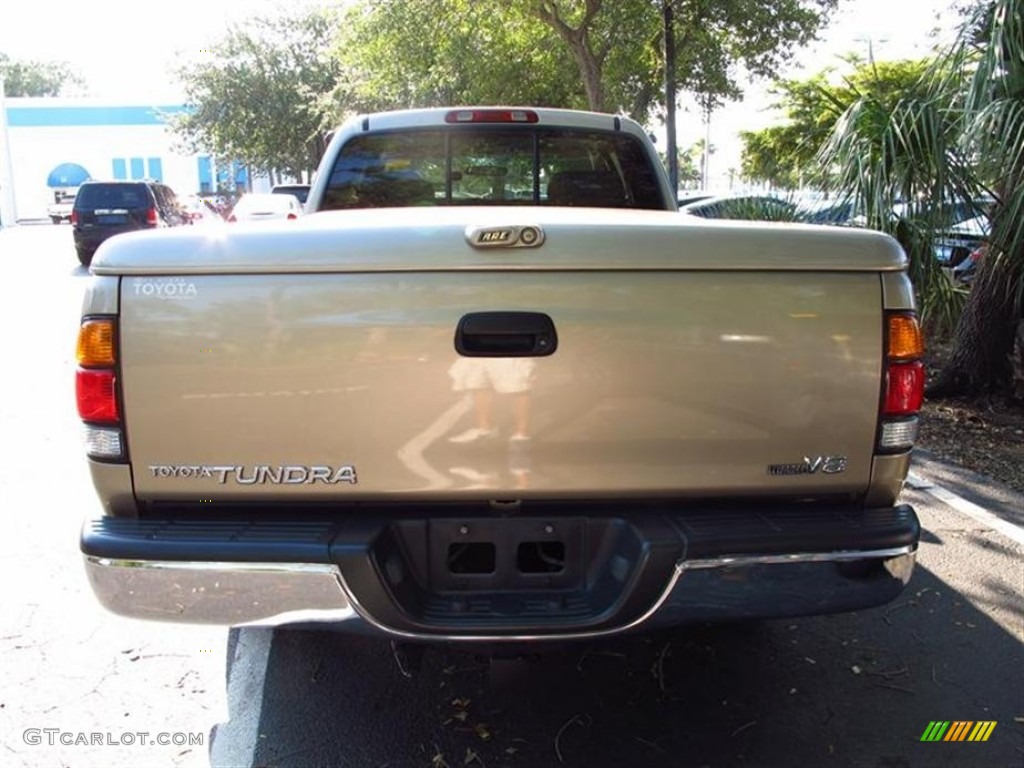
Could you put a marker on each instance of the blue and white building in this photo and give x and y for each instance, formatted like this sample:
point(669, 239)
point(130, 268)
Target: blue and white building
point(51, 145)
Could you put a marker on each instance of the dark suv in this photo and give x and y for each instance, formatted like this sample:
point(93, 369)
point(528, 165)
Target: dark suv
point(106, 208)
point(301, 191)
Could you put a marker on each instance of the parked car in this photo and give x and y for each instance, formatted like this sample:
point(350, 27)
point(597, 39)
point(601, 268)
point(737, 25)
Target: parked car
point(266, 207)
point(835, 212)
point(201, 211)
point(60, 209)
point(950, 214)
point(965, 272)
point(748, 207)
point(685, 197)
point(955, 244)
point(103, 209)
point(301, 191)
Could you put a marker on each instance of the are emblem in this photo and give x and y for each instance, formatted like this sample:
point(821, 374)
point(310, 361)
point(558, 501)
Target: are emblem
point(526, 236)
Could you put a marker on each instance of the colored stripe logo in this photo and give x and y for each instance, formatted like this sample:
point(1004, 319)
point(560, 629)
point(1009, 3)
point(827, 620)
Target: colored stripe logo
point(958, 730)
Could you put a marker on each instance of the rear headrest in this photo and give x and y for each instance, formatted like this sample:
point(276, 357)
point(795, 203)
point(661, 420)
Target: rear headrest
point(598, 189)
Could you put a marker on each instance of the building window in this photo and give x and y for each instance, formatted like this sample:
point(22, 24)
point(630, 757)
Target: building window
point(205, 168)
point(120, 169)
point(138, 168)
point(156, 168)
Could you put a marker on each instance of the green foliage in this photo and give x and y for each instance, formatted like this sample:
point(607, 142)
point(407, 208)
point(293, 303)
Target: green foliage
point(570, 53)
point(772, 155)
point(786, 155)
point(895, 151)
point(688, 163)
point(37, 78)
point(722, 44)
point(257, 97)
point(957, 133)
point(416, 53)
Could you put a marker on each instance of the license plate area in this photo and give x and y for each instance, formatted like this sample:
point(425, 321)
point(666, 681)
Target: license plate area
point(505, 554)
point(508, 575)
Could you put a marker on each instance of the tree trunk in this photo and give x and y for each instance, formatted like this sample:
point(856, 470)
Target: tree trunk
point(983, 344)
point(578, 41)
point(590, 69)
point(671, 151)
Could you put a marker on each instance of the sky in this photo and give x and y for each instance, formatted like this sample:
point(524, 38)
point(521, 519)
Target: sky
point(127, 50)
point(124, 49)
point(885, 29)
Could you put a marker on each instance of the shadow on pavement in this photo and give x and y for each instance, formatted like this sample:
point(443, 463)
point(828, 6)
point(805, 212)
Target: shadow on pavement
point(846, 690)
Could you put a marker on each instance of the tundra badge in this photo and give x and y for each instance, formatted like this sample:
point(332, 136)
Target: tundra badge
point(260, 474)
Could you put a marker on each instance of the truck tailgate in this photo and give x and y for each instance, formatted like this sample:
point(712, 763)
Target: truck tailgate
point(348, 386)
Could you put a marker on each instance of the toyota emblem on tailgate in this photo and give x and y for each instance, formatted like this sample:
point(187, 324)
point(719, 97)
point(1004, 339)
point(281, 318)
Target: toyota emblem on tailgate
point(505, 237)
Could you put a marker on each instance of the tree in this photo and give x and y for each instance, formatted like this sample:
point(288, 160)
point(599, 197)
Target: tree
point(984, 356)
point(960, 134)
point(257, 98)
point(617, 44)
point(613, 50)
point(418, 53)
point(786, 155)
point(37, 78)
point(689, 163)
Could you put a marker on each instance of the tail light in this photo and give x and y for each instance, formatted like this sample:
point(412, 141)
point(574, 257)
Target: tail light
point(232, 218)
point(96, 389)
point(96, 392)
point(903, 382)
point(151, 217)
point(74, 217)
point(292, 217)
point(491, 116)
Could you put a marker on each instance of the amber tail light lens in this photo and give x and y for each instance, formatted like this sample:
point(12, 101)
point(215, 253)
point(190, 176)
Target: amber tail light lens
point(96, 343)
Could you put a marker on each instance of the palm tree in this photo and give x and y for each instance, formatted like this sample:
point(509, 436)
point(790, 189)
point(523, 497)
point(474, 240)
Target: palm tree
point(990, 334)
point(956, 137)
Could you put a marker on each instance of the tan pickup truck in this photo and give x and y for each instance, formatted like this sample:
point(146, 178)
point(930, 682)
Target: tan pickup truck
point(494, 387)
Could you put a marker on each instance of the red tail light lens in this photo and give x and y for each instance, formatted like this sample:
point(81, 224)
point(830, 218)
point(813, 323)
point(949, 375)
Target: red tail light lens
point(491, 116)
point(95, 392)
point(292, 216)
point(74, 217)
point(904, 389)
point(151, 217)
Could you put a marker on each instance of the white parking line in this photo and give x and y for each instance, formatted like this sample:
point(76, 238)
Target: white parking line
point(969, 508)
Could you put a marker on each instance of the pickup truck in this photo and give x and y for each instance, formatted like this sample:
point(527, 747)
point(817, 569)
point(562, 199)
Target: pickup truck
point(494, 388)
point(60, 209)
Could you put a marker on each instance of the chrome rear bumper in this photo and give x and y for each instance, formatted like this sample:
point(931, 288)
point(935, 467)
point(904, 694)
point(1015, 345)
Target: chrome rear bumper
point(233, 594)
point(719, 588)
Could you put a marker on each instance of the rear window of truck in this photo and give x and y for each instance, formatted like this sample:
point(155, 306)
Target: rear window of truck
point(492, 167)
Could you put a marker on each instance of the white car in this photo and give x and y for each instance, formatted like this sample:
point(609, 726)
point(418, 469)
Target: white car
point(266, 207)
point(200, 211)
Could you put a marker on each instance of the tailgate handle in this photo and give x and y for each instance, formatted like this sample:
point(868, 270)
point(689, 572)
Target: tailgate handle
point(506, 334)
